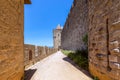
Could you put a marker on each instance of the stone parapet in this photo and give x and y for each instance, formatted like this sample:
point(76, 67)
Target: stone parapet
point(34, 54)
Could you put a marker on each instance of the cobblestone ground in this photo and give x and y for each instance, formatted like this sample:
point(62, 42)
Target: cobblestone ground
point(55, 67)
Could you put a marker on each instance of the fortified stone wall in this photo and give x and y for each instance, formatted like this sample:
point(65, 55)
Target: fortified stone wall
point(76, 26)
point(104, 35)
point(33, 54)
point(11, 39)
point(104, 39)
point(29, 54)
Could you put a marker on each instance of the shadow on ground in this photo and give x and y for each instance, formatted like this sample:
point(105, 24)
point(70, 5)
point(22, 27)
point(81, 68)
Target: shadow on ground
point(29, 73)
point(75, 65)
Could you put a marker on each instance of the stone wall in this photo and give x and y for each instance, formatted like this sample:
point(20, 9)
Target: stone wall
point(103, 19)
point(29, 54)
point(76, 26)
point(104, 39)
point(11, 39)
point(33, 54)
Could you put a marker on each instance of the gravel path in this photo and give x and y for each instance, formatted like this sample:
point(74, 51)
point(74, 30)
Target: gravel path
point(55, 67)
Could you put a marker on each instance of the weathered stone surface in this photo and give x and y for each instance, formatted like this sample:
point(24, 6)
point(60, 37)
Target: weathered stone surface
point(114, 74)
point(11, 39)
point(97, 71)
point(114, 58)
point(104, 38)
point(114, 65)
point(76, 26)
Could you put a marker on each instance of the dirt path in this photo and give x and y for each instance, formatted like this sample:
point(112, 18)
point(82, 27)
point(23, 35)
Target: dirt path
point(55, 67)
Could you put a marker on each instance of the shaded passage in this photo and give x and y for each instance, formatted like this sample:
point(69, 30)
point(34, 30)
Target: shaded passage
point(29, 73)
point(55, 67)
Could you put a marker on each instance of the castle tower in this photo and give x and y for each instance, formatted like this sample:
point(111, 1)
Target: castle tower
point(57, 36)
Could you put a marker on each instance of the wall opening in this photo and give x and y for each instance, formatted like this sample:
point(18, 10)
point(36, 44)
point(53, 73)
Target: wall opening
point(30, 55)
point(108, 52)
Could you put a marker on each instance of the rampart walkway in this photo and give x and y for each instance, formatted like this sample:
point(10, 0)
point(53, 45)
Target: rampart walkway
point(55, 67)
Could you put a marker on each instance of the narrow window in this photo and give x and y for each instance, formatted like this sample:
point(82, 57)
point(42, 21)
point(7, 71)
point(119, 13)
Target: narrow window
point(108, 52)
point(30, 55)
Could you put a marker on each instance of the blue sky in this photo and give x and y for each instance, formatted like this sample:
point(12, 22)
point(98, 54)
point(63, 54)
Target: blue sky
point(41, 17)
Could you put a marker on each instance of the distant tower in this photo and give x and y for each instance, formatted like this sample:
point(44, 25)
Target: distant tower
point(57, 36)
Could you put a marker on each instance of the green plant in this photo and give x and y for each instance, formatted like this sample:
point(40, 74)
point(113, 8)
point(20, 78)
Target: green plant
point(79, 57)
point(66, 52)
point(83, 52)
point(85, 39)
point(71, 56)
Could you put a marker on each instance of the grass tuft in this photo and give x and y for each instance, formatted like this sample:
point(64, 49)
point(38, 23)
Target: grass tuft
point(80, 57)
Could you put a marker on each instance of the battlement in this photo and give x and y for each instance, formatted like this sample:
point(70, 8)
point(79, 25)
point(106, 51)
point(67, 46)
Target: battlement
point(33, 53)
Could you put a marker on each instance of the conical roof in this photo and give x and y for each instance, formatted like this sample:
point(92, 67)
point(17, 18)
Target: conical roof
point(58, 27)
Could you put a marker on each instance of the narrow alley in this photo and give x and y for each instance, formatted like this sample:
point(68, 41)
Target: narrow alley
point(55, 67)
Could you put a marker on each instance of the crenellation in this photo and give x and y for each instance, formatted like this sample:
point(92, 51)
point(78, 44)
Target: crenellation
point(33, 54)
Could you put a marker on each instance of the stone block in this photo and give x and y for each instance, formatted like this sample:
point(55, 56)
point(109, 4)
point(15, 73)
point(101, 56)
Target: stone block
point(115, 26)
point(95, 71)
point(114, 58)
point(101, 57)
point(113, 44)
point(114, 65)
point(114, 74)
point(115, 51)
